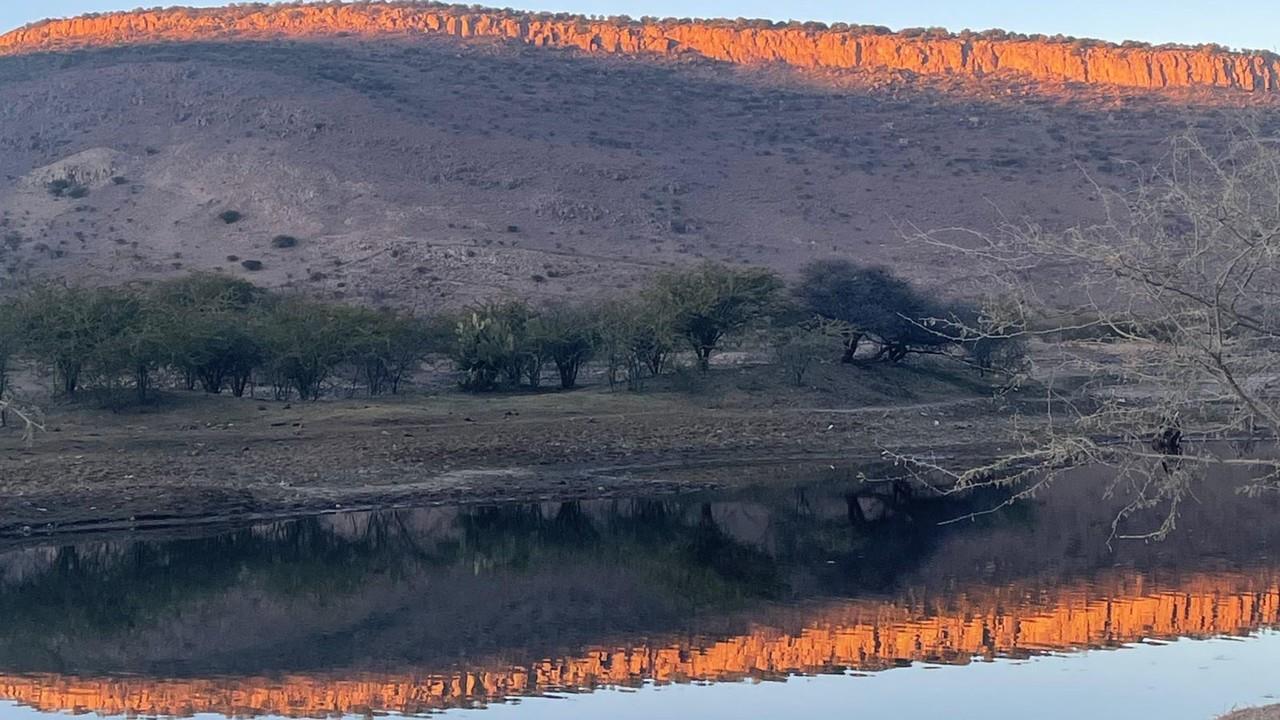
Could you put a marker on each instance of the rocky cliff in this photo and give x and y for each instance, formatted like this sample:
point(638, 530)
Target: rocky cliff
point(808, 46)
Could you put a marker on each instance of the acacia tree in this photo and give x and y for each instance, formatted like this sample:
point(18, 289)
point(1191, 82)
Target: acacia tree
point(77, 330)
point(305, 341)
point(208, 322)
point(568, 335)
point(709, 302)
point(857, 303)
point(1182, 272)
point(386, 347)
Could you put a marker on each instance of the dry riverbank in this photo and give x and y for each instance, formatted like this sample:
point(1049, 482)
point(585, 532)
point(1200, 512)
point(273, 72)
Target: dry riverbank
point(193, 458)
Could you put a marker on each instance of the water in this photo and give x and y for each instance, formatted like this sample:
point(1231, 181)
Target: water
point(824, 598)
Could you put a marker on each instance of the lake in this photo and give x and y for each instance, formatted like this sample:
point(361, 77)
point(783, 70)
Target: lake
point(812, 595)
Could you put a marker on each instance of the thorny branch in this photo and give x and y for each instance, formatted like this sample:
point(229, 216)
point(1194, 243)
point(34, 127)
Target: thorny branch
point(1164, 318)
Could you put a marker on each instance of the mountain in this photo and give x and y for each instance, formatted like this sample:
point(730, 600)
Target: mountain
point(419, 154)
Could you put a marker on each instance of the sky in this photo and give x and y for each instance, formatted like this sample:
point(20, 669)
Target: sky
point(1242, 24)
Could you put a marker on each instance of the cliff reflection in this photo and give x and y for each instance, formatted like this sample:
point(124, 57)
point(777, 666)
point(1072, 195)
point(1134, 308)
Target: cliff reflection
point(415, 611)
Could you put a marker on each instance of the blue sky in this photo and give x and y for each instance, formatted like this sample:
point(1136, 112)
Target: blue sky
point(1243, 23)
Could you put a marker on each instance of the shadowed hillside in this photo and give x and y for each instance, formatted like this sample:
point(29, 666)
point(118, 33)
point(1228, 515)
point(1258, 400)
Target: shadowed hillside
point(418, 169)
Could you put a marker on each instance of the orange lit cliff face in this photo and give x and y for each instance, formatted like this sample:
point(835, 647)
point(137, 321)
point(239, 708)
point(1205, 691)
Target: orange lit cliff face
point(1004, 621)
point(1092, 63)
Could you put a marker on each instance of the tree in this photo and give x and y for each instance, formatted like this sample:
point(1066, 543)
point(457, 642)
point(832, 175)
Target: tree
point(798, 349)
point(208, 322)
point(1183, 271)
point(385, 346)
point(636, 337)
point(871, 303)
point(569, 336)
point(707, 303)
point(305, 341)
point(77, 330)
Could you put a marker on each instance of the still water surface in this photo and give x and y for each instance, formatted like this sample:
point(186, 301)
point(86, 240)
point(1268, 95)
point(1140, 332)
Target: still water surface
point(820, 599)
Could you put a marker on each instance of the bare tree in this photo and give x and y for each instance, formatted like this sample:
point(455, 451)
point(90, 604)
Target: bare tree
point(1166, 315)
point(31, 419)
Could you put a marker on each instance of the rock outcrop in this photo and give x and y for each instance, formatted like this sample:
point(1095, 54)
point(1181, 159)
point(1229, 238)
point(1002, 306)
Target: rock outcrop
point(808, 46)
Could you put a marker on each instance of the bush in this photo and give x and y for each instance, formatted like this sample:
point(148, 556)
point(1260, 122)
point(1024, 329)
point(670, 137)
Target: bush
point(9, 343)
point(636, 337)
point(251, 265)
point(230, 217)
point(62, 187)
point(283, 242)
point(489, 345)
point(797, 350)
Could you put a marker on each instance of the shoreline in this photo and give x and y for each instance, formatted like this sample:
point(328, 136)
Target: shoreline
point(200, 461)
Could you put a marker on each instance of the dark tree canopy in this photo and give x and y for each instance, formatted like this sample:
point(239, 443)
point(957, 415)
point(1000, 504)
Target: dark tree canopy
point(872, 303)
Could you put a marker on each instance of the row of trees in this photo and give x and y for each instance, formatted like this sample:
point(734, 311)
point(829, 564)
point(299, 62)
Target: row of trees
point(696, 311)
point(206, 331)
point(217, 333)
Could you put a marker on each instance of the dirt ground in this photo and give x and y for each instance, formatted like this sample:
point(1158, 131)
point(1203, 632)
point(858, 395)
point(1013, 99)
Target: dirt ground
point(192, 458)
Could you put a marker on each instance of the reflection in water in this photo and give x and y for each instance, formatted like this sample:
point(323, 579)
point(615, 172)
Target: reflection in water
point(412, 611)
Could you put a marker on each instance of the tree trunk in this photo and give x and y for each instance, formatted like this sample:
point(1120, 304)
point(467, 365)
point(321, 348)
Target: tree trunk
point(568, 370)
point(142, 380)
point(704, 358)
point(851, 344)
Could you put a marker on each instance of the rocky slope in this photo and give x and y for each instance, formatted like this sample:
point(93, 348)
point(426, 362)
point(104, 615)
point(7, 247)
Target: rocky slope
point(425, 169)
point(808, 46)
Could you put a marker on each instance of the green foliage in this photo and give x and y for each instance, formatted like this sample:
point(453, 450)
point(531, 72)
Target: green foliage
point(230, 217)
point(383, 347)
point(78, 331)
point(65, 188)
point(305, 342)
point(213, 331)
point(709, 302)
point(636, 337)
point(568, 335)
point(209, 325)
point(491, 345)
point(798, 349)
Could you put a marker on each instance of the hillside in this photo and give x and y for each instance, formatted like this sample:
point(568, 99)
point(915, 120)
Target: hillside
point(419, 155)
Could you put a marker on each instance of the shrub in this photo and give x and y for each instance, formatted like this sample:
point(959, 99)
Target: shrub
point(230, 217)
point(63, 187)
point(797, 350)
point(251, 265)
point(487, 345)
point(284, 242)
